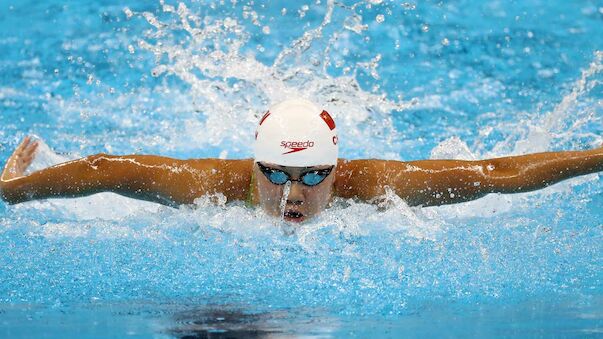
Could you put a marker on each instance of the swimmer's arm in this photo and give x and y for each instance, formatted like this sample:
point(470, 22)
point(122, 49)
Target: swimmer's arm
point(439, 182)
point(159, 179)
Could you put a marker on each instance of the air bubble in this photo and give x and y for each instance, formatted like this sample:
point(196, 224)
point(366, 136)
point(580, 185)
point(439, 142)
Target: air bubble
point(380, 18)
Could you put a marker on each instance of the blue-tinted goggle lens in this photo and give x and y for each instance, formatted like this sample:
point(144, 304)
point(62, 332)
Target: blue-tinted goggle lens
point(313, 178)
point(279, 177)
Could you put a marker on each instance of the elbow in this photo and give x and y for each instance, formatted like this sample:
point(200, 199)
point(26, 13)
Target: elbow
point(501, 177)
point(95, 173)
point(97, 160)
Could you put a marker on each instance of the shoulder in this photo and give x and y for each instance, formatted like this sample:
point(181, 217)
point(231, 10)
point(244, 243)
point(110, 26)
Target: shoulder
point(360, 178)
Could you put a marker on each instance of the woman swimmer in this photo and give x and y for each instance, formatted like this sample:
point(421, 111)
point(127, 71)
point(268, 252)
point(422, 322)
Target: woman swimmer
point(296, 145)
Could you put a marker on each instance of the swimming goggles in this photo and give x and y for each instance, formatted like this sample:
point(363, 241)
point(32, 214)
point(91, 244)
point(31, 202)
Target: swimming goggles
point(310, 178)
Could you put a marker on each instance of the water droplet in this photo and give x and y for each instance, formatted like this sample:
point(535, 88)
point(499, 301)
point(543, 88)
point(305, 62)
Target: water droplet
point(354, 24)
point(128, 12)
point(445, 42)
point(229, 22)
point(409, 6)
point(303, 10)
point(425, 28)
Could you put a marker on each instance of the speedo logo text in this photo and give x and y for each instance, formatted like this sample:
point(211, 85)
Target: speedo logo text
point(296, 146)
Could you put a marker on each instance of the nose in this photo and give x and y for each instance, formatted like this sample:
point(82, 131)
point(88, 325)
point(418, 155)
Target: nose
point(296, 194)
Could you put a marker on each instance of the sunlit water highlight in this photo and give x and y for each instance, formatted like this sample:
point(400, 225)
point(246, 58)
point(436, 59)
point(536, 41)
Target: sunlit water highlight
point(403, 80)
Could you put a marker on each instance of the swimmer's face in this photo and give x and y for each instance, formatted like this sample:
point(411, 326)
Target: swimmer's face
point(304, 201)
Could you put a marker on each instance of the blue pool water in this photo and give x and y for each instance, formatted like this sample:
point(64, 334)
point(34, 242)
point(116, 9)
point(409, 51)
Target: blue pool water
point(405, 80)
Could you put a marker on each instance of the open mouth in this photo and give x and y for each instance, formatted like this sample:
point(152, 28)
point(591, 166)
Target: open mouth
point(294, 216)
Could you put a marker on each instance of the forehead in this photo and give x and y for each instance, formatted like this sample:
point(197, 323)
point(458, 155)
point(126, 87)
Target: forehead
point(293, 169)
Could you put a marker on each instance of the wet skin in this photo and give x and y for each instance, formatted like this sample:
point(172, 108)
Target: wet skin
point(174, 182)
point(303, 202)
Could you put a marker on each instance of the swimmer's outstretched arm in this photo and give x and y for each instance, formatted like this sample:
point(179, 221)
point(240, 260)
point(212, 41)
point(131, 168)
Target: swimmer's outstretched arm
point(160, 179)
point(439, 182)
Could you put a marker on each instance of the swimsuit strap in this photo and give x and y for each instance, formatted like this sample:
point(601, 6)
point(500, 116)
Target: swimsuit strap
point(249, 201)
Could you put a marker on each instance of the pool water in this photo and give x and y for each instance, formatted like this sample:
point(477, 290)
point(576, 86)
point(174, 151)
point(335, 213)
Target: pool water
point(404, 81)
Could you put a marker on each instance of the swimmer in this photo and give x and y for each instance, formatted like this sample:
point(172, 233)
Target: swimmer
point(296, 146)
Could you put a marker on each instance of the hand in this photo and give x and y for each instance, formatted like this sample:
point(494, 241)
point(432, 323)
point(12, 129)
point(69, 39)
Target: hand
point(21, 158)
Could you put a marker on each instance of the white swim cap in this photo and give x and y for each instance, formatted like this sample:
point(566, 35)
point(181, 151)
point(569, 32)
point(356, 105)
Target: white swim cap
point(296, 133)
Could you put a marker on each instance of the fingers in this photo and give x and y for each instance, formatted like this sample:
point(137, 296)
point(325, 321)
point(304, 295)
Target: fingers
point(26, 147)
point(23, 155)
point(31, 148)
point(25, 144)
point(28, 153)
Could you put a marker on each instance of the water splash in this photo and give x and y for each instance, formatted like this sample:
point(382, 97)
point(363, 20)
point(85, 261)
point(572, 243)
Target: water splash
point(232, 88)
point(553, 126)
point(283, 203)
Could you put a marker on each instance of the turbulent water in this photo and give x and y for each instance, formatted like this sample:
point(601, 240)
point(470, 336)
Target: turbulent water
point(403, 80)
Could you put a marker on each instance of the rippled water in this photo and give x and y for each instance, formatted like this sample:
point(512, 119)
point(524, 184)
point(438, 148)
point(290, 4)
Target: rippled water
point(404, 81)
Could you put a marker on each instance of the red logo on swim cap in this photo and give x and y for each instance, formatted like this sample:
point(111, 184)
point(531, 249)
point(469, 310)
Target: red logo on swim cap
point(264, 117)
point(261, 121)
point(327, 118)
point(296, 146)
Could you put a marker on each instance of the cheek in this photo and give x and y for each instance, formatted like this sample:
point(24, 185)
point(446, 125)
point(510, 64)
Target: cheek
point(321, 196)
point(269, 194)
